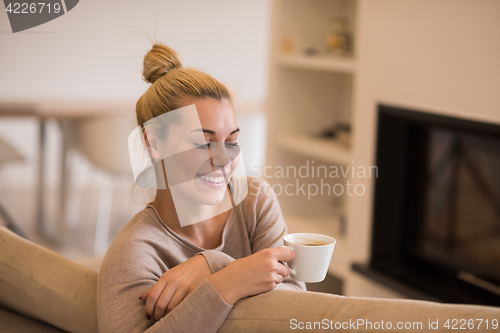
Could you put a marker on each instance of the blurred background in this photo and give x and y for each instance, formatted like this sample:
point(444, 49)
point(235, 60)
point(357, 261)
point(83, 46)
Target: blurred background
point(307, 76)
point(73, 83)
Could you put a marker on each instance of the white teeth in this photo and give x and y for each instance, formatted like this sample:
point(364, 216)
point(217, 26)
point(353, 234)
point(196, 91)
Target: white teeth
point(215, 180)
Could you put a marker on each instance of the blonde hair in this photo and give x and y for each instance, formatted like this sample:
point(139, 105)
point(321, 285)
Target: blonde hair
point(168, 90)
point(171, 85)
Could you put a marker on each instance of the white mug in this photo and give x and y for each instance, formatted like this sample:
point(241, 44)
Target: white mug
point(311, 262)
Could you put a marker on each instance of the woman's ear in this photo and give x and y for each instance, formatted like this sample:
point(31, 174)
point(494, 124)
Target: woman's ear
point(151, 143)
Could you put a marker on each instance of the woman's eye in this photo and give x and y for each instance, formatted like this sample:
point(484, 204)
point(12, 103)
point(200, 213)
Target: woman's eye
point(201, 145)
point(206, 145)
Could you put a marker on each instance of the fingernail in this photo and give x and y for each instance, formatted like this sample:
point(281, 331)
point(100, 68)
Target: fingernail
point(148, 316)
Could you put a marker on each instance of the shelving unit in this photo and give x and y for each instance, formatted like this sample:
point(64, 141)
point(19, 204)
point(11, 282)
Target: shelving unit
point(309, 94)
point(314, 147)
point(320, 63)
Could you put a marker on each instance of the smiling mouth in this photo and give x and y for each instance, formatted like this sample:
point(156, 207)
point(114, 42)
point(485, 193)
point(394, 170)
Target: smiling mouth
point(211, 179)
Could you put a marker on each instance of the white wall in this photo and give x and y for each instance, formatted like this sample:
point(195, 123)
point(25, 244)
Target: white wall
point(96, 50)
point(439, 56)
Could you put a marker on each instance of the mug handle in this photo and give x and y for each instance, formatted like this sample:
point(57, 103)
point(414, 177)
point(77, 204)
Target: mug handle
point(292, 271)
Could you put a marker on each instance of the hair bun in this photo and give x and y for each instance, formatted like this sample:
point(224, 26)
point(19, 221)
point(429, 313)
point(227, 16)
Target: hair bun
point(158, 60)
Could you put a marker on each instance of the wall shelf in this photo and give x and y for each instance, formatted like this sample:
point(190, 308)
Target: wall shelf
point(326, 150)
point(321, 63)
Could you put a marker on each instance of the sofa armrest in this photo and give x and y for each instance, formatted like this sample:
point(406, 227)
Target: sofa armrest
point(290, 310)
point(43, 285)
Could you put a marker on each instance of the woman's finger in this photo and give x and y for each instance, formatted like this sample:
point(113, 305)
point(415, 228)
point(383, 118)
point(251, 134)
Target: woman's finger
point(143, 297)
point(282, 270)
point(178, 297)
point(278, 278)
point(161, 304)
point(284, 253)
point(152, 297)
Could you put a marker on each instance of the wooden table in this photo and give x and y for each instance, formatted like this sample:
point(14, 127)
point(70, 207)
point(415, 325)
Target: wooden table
point(64, 112)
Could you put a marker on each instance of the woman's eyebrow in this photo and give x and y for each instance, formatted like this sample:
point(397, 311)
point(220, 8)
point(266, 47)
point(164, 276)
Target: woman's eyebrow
point(204, 130)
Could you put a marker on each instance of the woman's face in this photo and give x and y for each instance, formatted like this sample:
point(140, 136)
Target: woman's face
point(203, 151)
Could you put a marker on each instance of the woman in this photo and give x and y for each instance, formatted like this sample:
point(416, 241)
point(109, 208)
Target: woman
point(165, 272)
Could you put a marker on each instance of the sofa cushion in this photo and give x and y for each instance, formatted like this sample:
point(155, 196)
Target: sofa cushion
point(43, 285)
point(12, 322)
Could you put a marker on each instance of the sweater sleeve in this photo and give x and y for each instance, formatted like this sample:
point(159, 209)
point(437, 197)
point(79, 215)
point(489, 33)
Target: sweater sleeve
point(216, 260)
point(271, 228)
point(127, 272)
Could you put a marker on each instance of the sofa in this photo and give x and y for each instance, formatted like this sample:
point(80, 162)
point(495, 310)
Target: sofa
point(41, 291)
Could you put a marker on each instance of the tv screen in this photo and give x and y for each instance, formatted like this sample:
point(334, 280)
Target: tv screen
point(460, 224)
point(436, 220)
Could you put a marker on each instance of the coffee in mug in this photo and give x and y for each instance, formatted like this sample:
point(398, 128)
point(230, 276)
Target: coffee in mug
point(310, 242)
point(313, 253)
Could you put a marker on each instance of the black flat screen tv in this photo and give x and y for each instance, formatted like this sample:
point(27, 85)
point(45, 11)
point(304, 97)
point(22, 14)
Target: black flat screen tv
point(436, 222)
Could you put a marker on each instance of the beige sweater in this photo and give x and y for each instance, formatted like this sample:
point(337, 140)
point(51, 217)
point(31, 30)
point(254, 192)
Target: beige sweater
point(146, 247)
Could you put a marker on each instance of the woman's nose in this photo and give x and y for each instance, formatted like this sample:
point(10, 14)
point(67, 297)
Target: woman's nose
point(219, 155)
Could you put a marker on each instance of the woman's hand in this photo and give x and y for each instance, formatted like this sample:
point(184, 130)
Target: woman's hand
point(174, 286)
point(258, 273)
